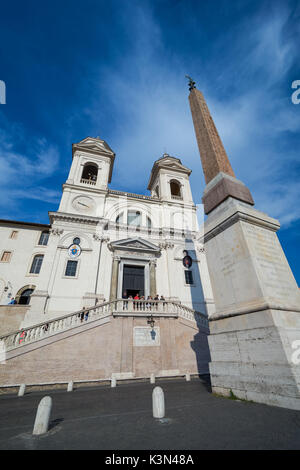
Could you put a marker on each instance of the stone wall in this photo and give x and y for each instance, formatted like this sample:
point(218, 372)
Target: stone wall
point(252, 356)
point(11, 317)
point(98, 349)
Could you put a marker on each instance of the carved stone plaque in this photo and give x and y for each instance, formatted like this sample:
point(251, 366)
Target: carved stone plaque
point(146, 336)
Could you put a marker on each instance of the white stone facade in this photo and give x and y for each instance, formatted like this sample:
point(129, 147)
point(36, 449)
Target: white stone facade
point(112, 235)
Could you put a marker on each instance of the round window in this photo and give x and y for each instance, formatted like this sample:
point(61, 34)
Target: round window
point(76, 241)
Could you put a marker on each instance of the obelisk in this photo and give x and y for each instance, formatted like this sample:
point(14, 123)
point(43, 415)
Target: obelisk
point(218, 173)
point(256, 325)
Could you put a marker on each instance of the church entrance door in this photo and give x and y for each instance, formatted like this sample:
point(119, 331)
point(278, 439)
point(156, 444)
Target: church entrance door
point(134, 280)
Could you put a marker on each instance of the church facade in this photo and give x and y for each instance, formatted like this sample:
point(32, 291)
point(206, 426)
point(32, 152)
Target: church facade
point(104, 249)
point(103, 244)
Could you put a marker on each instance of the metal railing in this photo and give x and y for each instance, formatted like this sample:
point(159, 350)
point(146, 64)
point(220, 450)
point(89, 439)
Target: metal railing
point(116, 307)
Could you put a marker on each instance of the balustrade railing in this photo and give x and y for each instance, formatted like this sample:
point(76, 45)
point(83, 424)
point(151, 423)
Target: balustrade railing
point(119, 306)
point(145, 306)
point(87, 181)
point(57, 325)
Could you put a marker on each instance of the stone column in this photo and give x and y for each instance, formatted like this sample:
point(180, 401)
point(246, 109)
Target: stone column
point(166, 245)
point(114, 278)
point(152, 264)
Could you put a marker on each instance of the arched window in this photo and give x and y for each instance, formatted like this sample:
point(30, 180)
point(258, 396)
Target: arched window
point(134, 218)
point(24, 294)
point(119, 219)
point(89, 173)
point(24, 299)
point(157, 191)
point(44, 238)
point(175, 189)
point(36, 264)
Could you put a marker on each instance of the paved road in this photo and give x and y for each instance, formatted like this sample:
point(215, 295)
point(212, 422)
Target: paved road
point(121, 418)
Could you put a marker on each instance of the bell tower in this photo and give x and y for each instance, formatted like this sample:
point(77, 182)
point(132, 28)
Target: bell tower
point(89, 176)
point(92, 163)
point(169, 180)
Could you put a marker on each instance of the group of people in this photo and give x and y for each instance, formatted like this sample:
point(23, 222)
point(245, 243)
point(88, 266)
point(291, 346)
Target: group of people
point(84, 315)
point(142, 297)
point(149, 301)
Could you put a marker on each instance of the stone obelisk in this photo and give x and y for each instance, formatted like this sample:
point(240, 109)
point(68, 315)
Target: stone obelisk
point(255, 330)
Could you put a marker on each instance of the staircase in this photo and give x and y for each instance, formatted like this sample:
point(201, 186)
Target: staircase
point(119, 307)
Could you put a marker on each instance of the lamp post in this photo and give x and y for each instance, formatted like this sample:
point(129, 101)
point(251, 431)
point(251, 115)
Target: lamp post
point(151, 321)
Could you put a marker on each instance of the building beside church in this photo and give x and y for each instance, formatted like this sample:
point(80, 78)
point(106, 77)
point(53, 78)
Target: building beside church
point(103, 242)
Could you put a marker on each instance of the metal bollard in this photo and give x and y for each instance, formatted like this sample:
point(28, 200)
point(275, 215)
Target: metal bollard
point(21, 390)
point(158, 403)
point(42, 418)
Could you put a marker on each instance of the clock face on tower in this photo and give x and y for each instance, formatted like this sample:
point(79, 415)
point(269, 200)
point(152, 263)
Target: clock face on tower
point(83, 204)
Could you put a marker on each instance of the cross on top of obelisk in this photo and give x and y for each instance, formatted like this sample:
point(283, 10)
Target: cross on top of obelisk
point(192, 84)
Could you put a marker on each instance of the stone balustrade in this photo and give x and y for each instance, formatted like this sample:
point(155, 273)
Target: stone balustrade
point(146, 306)
point(137, 196)
point(86, 181)
point(115, 307)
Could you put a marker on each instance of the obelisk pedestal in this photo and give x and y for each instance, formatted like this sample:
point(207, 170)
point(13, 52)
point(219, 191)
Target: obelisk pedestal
point(257, 317)
point(256, 325)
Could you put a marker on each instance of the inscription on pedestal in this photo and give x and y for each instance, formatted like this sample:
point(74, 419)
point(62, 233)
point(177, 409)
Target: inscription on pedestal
point(146, 336)
point(271, 263)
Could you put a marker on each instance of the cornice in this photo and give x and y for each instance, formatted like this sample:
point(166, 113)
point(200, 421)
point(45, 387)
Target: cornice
point(243, 217)
point(75, 218)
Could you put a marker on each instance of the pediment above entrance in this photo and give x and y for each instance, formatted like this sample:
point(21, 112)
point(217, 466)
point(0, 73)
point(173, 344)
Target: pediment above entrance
point(134, 244)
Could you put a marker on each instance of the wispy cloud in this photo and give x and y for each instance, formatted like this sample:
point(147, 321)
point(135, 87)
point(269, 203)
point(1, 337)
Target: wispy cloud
point(134, 95)
point(21, 174)
point(147, 93)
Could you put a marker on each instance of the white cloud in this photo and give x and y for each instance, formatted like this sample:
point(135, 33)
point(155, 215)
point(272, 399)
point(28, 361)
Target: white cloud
point(21, 175)
point(149, 95)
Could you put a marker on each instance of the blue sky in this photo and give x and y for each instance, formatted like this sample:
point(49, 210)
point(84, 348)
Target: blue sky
point(116, 69)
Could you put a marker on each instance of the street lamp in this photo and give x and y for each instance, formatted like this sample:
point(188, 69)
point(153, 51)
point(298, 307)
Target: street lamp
point(151, 321)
